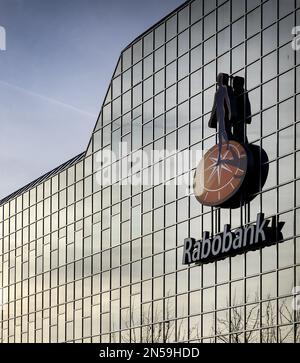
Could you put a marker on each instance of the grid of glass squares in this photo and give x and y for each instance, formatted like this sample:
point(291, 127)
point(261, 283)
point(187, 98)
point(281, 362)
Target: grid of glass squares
point(91, 263)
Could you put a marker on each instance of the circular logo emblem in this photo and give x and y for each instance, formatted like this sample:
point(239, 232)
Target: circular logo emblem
point(220, 174)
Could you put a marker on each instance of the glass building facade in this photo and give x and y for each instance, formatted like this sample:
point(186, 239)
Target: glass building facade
point(86, 261)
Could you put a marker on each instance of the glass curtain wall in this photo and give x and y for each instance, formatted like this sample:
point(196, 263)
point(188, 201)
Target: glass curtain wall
point(87, 261)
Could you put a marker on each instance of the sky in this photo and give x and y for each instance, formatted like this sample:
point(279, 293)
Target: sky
point(54, 73)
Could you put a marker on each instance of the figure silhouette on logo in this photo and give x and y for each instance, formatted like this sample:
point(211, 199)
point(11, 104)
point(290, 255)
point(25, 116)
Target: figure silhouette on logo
point(219, 113)
point(237, 110)
point(243, 108)
point(233, 107)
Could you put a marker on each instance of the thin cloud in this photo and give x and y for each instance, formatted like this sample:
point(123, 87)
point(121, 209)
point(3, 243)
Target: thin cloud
point(48, 99)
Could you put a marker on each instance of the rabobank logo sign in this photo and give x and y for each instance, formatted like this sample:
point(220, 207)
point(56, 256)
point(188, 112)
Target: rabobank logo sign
point(231, 243)
point(2, 38)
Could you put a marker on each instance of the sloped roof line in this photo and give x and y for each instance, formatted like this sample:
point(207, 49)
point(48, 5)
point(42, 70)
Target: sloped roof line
point(43, 178)
point(155, 25)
